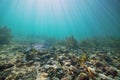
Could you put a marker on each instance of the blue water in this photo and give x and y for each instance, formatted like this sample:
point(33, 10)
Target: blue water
point(61, 18)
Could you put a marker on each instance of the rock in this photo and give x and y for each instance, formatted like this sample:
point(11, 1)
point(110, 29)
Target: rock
point(43, 76)
point(112, 71)
point(60, 73)
point(29, 57)
point(82, 76)
point(93, 57)
point(104, 77)
point(10, 77)
point(51, 62)
point(4, 74)
point(67, 63)
point(76, 71)
point(99, 64)
point(2, 78)
point(107, 58)
point(5, 66)
point(55, 78)
point(30, 63)
point(19, 64)
point(67, 77)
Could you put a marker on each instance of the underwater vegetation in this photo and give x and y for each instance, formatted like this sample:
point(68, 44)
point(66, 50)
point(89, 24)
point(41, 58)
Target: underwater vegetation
point(5, 35)
point(88, 43)
point(104, 42)
point(71, 42)
point(110, 42)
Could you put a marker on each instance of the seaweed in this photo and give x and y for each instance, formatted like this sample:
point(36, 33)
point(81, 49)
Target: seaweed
point(99, 43)
point(5, 35)
point(83, 59)
point(88, 43)
point(71, 42)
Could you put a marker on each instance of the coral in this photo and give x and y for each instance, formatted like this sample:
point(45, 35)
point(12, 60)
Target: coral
point(71, 42)
point(5, 35)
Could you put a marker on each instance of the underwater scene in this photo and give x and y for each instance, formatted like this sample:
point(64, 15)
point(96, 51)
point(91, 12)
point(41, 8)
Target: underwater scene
point(59, 39)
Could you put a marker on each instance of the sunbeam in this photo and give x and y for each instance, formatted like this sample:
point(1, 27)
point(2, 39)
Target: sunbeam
point(61, 17)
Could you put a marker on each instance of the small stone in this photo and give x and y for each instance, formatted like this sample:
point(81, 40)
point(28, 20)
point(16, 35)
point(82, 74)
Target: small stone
point(2, 78)
point(103, 77)
point(5, 66)
point(76, 71)
point(112, 71)
point(19, 64)
point(83, 76)
point(99, 64)
point(43, 76)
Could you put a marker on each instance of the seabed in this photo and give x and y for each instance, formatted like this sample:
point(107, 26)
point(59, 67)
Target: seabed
point(64, 60)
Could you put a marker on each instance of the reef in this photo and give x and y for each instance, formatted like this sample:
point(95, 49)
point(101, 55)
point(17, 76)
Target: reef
point(17, 62)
